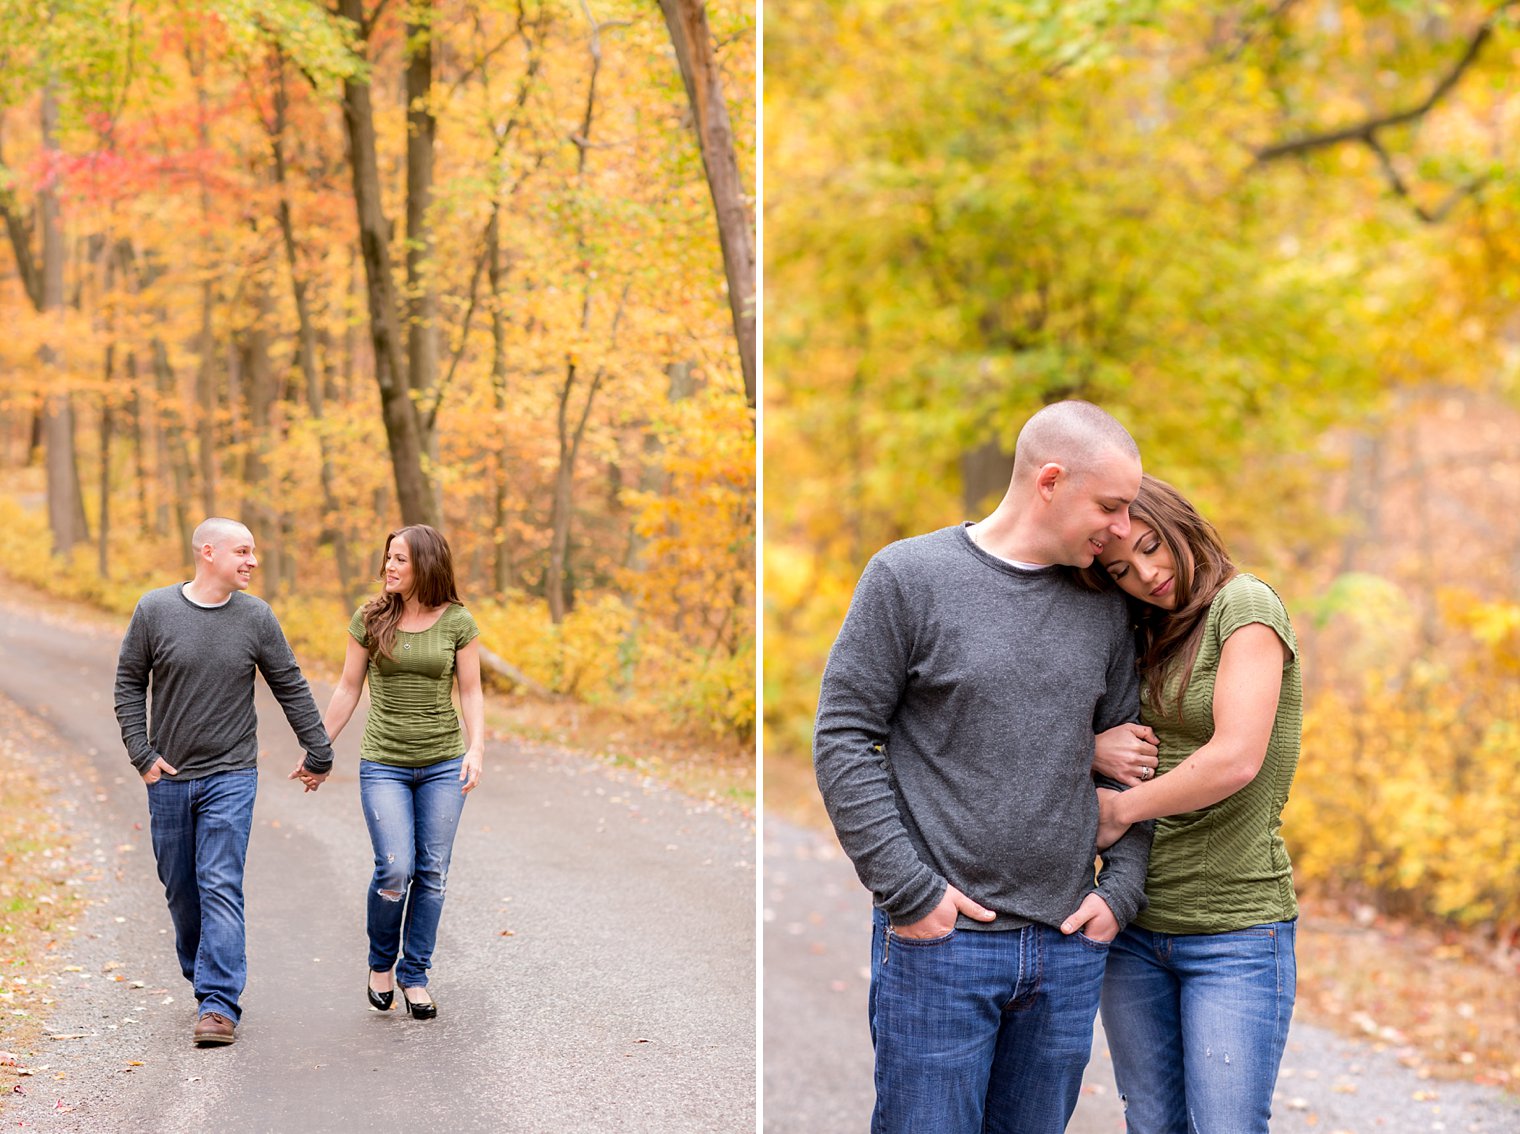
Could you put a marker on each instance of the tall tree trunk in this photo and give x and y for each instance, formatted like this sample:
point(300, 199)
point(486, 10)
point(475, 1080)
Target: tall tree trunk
point(65, 496)
point(172, 430)
point(687, 21)
point(414, 491)
point(107, 397)
point(502, 561)
point(258, 501)
point(206, 399)
point(174, 452)
point(139, 448)
point(307, 350)
point(206, 405)
point(562, 504)
point(422, 298)
point(557, 584)
point(103, 509)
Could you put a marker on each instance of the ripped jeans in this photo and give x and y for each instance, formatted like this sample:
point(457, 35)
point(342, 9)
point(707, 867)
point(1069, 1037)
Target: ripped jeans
point(1196, 1025)
point(412, 815)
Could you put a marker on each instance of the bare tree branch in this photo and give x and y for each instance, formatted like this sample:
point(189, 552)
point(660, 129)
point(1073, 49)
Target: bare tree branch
point(1364, 131)
point(1443, 210)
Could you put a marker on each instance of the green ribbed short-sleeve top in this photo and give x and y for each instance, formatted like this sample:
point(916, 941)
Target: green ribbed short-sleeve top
point(1225, 867)
point(412, 721)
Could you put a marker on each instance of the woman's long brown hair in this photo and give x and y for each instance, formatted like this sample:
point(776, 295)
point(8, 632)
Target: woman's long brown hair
point(1168, 640)
point(432, 580)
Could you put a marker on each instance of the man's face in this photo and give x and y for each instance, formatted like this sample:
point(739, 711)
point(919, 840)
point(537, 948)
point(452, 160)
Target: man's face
point(232, 560)
point(1090, 509)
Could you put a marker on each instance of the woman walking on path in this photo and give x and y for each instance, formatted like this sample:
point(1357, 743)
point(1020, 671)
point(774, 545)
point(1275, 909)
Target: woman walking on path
point(1199, 988)
point(412, 641)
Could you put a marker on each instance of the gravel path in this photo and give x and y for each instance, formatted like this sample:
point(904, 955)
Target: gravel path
point(817, 1074)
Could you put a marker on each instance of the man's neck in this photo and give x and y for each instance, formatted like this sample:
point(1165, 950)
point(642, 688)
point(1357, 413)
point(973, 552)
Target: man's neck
point(1002, 535)
point(204, 592)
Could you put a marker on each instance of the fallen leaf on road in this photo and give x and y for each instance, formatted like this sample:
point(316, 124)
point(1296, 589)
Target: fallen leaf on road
point(7, 1059)
point(16, 1090)
point(1425, 1096)
point(507, 933)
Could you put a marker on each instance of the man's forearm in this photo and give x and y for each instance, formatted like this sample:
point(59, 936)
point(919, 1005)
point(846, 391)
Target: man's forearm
point(858, 795)
point(287, 683)
point(132, 716)
point(1121, 882)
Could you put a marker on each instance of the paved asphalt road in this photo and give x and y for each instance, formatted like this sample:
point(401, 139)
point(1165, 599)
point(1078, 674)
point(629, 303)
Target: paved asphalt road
point(595, 969)
point(817, 1074)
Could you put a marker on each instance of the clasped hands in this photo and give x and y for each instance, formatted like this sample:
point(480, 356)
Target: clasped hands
point(312, 780)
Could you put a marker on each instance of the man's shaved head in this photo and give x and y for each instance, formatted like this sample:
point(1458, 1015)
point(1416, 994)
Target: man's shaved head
point(1074, 434)
point(217, 530)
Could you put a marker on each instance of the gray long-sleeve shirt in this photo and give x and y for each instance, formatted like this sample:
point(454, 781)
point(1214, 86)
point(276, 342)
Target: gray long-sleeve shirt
point(201, 662)
point(954, 739)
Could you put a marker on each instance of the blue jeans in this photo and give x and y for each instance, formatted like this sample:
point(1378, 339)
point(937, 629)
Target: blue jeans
point(1196, 1024)
point(981, 1031)
point(200, 838)
point(412, 814)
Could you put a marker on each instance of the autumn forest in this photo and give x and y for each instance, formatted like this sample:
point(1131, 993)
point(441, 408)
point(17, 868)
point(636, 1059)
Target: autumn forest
point(482, 265)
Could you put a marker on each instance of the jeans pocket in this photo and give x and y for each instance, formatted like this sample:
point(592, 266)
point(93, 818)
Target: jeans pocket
point(1092, 942)
point(920, 942)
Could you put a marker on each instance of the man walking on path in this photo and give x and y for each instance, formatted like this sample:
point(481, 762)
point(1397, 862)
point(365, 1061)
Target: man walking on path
point(953, 749)
point(199, 644)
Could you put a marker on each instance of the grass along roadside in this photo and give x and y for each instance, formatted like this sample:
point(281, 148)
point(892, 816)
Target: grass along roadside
point(39, 895)
point(1447, 1003)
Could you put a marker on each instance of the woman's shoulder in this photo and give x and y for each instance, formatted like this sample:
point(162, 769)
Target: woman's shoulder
point(1246, 599)
point(1244, 588)
point(458, 616)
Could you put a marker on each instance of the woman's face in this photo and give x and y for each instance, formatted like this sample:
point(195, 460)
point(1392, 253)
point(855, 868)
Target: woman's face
point(1143, 566)
point(399, 579)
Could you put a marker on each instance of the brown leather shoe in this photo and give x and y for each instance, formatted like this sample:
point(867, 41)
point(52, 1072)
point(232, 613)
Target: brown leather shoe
point(213, 1027)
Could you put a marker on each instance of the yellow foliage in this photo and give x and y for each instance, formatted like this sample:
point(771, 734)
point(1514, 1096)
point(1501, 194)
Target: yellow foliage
point(606, 651)
point(1403, 790)
point(24, 556)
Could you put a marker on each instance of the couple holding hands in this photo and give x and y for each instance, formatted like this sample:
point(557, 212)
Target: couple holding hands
point(198, 645)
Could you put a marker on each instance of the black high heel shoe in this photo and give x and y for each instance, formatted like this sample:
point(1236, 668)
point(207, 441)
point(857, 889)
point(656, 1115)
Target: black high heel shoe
point(426, 1011)
point(380, 1001)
